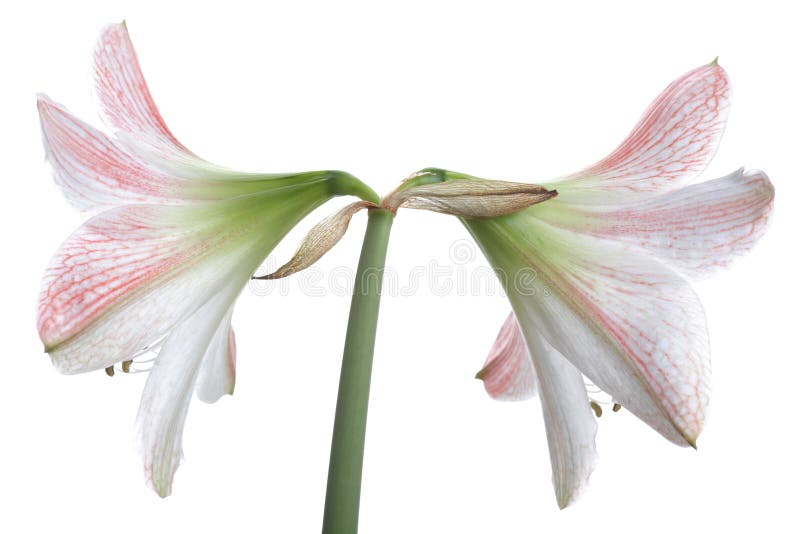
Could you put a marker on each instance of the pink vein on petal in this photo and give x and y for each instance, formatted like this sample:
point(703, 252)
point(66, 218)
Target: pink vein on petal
point(674, 140)
point(123, 92)
point(107, 258)
point(93, 170)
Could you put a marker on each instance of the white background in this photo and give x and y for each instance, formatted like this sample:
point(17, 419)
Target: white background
point(510, 91)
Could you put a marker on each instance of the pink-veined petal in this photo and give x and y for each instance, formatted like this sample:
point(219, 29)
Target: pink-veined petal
point(110, 256)
point(674, 141)
point(168, 391)
point(128, 275)
point(629, 323)
point(94, 171)
point(131, 111)
point(123, 93)
point(120, 282)
point(218, 372)
point(512, 372)
point(569, 422)
point(699, 229)
point(507, 373)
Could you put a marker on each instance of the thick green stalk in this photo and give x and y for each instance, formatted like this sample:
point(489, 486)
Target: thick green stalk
point(350, 424)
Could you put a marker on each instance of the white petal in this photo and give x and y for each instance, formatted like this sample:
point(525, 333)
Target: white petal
point(143, 252)
point(218, 373)
point(128, 275)
point(169, 387)
point(569, 422)
point(674, 141)
point(627, 322)
point(508, 373)
point(94, 171)
point(125, 97)
point(698, 229)
point(131, 111)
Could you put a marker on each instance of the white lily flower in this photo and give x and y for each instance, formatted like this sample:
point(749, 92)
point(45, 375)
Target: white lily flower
point(597, 277)
point(163, 264)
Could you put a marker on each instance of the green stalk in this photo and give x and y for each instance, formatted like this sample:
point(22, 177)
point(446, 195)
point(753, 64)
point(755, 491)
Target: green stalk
point(350, 424)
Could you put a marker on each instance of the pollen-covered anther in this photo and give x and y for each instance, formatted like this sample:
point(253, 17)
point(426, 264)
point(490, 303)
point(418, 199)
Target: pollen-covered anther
point(126, 366)
point(110, 370)
point(598, 411)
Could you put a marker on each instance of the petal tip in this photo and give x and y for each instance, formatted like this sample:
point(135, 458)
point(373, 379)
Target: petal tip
point(44, 103)
point(115, 27)
point(690, 436)
point(41, 99)
point(161, 488)
point(209, 398)
point(767, 187)
point(568, 499)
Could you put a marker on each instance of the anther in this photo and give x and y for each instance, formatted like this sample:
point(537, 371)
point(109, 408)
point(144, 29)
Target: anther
point(598, 411)
point(110, 371)
point(616, 407)
point(126, 367)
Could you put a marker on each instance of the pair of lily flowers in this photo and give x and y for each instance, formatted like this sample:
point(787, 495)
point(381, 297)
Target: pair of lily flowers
point(174, 239)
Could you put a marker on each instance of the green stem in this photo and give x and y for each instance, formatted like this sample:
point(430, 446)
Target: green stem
point(350, 424)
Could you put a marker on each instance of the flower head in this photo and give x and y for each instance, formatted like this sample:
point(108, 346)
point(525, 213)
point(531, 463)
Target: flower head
point(159, 266)
point(597, 277)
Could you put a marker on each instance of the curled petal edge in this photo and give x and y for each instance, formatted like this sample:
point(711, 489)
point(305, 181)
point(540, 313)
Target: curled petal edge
point(508, 373)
